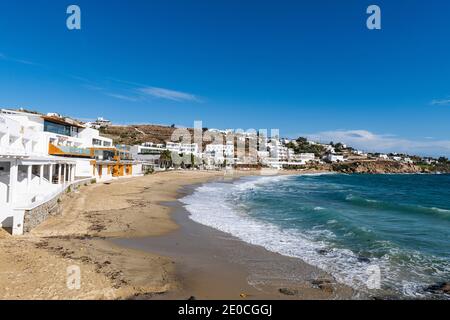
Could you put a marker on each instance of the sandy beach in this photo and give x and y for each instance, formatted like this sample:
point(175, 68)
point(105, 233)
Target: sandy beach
point(132, 239)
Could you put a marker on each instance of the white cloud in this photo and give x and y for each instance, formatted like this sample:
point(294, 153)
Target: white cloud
point(27, 62)
point(121, 97)
point(368, 141)
point(168, 94)
point(138, 91)
point(442, 102)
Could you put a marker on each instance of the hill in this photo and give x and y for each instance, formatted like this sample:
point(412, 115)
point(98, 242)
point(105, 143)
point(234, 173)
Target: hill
point(138, 134)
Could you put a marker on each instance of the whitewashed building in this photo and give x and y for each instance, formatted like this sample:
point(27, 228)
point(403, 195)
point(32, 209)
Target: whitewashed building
point(302, 157)
point(29, 177)
point(331, 157)
point(218, 154)
point(278, 151)
point(99, 123)
point(263, 157)
point(408, 160)
point(360, 153)
point(43, 155)
point(184, 148)
point(149, 153)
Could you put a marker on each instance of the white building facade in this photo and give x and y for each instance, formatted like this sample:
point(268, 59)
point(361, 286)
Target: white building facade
point(219, 154)
point(334, 157)
point(28, 175)
point(183, 148)
point(43, 155)
point(278, 151)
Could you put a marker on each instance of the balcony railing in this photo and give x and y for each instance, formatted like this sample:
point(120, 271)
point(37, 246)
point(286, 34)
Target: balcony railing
point(69, 151)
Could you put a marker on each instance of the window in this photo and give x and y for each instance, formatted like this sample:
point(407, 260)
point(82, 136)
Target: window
point(104, 154)
point(96, 142)
point(106, 143)
point(56, 128)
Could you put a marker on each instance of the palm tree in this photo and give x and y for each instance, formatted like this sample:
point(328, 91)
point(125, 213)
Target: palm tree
point(165, 159)
point(192, 161)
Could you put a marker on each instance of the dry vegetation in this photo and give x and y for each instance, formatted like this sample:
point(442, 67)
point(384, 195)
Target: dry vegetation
point(138, 134)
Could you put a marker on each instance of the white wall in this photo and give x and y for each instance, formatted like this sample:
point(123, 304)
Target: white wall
point(6, 217)
point(4, 182)
point(34, 192)
point(83, 168)
point(137, 169)
point(88, 134)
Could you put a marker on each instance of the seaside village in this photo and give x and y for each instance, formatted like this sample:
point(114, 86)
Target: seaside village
point(43, 156)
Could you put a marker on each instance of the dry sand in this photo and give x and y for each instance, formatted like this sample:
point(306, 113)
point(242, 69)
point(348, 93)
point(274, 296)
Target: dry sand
point(34, 266)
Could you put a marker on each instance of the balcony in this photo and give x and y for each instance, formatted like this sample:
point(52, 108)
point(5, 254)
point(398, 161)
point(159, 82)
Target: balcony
point(67, 151)
point(10, 126)
point(30, 134)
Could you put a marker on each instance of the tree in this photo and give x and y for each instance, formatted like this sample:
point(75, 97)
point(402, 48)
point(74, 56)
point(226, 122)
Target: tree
point(302, 140)
point(303, 146)
point(442, 160)
point(291, 145)
point(192, 160)
point(165, 159)
point(339, 146)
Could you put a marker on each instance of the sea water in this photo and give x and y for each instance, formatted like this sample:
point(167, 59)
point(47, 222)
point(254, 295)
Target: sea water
point(393, 227)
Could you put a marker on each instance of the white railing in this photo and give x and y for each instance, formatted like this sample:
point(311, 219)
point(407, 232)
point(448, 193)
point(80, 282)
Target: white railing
point(13, 128)
point(35, 200)
point(18, 135)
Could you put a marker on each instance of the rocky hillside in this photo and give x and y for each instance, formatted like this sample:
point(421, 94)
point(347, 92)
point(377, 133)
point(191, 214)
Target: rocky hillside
point(388, 166)
point(138, 134)
point(376, 166)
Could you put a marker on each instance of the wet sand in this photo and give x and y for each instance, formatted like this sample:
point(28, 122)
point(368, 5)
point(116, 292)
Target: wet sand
point(211, 264)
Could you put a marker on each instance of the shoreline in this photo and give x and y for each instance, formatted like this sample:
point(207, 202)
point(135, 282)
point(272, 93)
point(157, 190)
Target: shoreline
point(212, 264)
point(135, 209)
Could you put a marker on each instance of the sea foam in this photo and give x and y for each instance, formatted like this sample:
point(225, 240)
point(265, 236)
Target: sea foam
point(210, 206)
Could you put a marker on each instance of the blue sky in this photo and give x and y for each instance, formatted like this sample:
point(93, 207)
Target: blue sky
point(305, 67)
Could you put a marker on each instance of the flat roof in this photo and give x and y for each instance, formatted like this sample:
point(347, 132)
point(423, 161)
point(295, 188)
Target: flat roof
point(62, 121)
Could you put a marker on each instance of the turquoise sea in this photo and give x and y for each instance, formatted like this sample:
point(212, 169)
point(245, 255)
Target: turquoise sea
point(359, 228)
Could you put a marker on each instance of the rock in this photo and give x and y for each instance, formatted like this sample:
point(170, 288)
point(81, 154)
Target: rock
point(443, 287)
point(363, 259)
point(322, 251)
point(375, 166)
point(191, 298)
point(288, 292)
point(386, 297)
point(323, 284)
point(317, 282)
point(446, 288)
point(327, 287)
